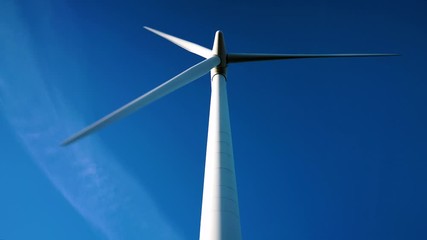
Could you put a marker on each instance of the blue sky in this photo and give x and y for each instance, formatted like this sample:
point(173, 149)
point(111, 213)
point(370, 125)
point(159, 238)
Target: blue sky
point(324, 148)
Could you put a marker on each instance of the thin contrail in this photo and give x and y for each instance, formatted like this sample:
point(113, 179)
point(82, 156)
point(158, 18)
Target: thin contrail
point(87, 175)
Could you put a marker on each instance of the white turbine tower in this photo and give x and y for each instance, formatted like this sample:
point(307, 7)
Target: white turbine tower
point(220, 217)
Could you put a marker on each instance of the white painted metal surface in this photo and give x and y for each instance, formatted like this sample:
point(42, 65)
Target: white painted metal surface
point(220, 209)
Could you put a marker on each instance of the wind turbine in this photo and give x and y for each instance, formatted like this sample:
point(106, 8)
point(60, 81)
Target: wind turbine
point(220, 217)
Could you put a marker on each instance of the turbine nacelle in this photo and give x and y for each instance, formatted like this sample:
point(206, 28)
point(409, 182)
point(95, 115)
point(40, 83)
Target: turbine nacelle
point(219, 50)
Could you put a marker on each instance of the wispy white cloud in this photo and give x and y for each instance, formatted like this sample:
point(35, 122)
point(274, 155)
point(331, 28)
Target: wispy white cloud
point(86, 174)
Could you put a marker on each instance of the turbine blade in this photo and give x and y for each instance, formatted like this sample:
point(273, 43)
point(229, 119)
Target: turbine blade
point(189, 46)
point(167, 87)
point(250, 57)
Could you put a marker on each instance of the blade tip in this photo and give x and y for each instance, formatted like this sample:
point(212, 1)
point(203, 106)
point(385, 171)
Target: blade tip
point(71, 140)
point(150, 29)
point(66, 142)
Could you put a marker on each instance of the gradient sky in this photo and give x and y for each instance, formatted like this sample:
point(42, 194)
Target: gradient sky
point(324, 148)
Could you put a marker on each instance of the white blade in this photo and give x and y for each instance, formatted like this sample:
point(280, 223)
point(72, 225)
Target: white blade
point(250, 57)
point(169, 86)
point(189, 46)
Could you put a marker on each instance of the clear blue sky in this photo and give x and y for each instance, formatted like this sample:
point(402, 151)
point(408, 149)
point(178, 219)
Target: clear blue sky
point(324, 148)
